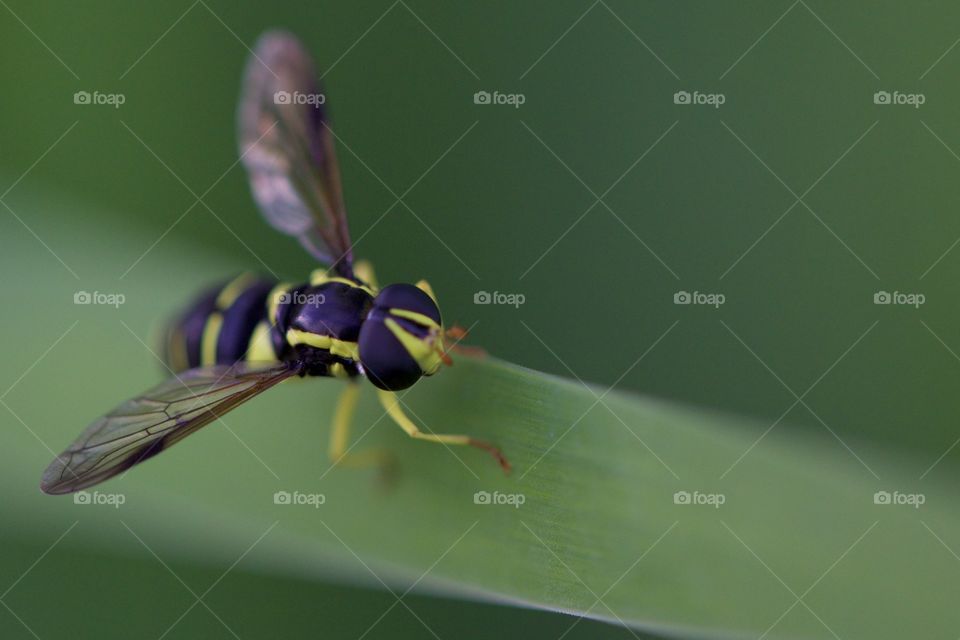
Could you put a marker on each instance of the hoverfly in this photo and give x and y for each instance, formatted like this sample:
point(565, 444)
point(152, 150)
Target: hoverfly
point(240, 339)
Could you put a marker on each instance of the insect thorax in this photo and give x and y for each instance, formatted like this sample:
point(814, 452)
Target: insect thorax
point(320, 324)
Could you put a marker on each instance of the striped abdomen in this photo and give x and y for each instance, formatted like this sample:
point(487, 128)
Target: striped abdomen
point(259, 320)
point(220, 326)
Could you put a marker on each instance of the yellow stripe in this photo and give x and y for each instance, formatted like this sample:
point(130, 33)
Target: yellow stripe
point(232, 291)
point(261, 347)
point(319, 276)
point(179, 359)
point(208, 344)
point(274, 300)
point(423, 351)
point(419, 318)
point(337, 347)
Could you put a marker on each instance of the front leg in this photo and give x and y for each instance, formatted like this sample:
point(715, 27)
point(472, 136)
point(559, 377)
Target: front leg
point(455, 333)
point(391, 403)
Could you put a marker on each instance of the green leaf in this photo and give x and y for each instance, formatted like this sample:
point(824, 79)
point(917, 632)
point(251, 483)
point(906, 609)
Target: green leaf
point(798, 546)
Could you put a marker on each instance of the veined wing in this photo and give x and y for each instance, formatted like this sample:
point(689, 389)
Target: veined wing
point(288, 149)
point(144, 426)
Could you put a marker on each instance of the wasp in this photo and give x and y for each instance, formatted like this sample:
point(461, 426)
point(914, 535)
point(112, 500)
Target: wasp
point(243, 337)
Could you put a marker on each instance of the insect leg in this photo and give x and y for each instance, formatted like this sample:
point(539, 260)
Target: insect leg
point(338, 450)
point(342, 420)
point(391, 404)
point(454, 333)
point(364, 270)
point(424, 286)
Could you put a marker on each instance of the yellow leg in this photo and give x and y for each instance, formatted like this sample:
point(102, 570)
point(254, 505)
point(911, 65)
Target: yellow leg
point(340, 434)
point(364, 270)
point(391, 404)
point(455, 333)
point(342, 419)
point(424, 286)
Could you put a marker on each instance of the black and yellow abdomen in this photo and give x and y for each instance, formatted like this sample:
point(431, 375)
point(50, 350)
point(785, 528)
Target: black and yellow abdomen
point(221, 324)
point(256, 319)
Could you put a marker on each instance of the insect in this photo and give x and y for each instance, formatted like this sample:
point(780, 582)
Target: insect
point(243, 338)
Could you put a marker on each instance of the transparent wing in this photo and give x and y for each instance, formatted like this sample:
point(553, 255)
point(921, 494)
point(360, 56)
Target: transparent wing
point(288, 150)
point(144, 426)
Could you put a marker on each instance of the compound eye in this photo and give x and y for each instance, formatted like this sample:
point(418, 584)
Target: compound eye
point(409, 298)
point(387, 364)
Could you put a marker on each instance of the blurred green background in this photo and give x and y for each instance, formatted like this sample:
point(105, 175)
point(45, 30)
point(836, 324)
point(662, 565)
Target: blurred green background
point(694, 198)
